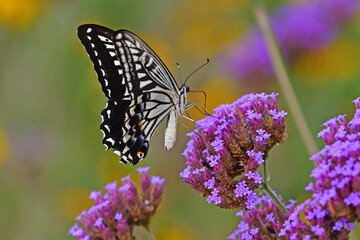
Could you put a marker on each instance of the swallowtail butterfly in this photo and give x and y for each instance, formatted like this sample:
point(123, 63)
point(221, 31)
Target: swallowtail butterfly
point(140, 89)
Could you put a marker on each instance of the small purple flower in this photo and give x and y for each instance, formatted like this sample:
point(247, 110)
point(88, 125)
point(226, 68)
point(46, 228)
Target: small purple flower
point(117, 211)
point(99, 222)
point(270, 217)
point(118, 216)
point(157, 180)
point(233, 142)
point(209, 184)
point(298, 27)
point(264, 221)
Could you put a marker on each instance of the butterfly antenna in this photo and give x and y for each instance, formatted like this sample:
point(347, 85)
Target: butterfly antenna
point(178, 65)
point(207, 61)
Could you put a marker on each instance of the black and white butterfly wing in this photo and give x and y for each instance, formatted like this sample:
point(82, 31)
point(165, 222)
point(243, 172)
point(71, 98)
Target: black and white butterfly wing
point(140, 89)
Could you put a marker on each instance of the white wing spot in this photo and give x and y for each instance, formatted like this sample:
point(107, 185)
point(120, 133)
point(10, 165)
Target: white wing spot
point(141, 75)
point(136, 58)
point(104, 39)
point(100, 63)
point(117, 62)
point(92, 45)
point(109, 92)
point(110, 140)
point(126, 67)
point(106, 82)
point(144, 83)
point(109, 46)
point(117, 152)
point(127, 75)
point(112, 54)
point(137, 66)
point(107, 127)
point(96, 53)
point(123, 58)
point(130, 44)
point(134, 51)
point(88, 37)
point(126, 92)
point(120, 71)
point(108, 112)
point(119, 36)
point(103, 72)
point(88, 30)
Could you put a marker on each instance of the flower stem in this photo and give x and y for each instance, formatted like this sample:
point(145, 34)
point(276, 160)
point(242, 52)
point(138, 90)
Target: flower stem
point(268, 190)
point(151, 237)
point(282, 74)
point(274, 197)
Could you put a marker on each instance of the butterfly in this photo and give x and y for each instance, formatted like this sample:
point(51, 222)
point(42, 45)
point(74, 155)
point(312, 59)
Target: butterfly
point(140, 90)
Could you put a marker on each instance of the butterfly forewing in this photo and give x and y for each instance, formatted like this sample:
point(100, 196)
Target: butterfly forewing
point(140, 89)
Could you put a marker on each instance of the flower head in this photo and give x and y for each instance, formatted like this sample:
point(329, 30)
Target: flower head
point(335, 203)
point(119, 209)
point(230, 143)
point(264, 221)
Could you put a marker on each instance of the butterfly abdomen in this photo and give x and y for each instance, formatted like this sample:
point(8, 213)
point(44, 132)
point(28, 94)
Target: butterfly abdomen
point(170, 130)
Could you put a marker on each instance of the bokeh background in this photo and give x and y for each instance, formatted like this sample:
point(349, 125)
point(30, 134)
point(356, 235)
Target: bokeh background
point(51, 155)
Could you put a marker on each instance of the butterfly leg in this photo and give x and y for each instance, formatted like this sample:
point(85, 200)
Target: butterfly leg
point(188, 118)
point(194, 103)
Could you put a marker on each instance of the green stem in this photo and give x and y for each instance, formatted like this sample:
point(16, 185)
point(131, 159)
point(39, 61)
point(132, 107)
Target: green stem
point(151, 237)
point(282, 74)
point(267, 188)
point(274, 197)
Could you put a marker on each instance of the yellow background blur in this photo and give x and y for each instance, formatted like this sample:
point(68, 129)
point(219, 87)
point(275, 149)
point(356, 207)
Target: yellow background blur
point(51, 155)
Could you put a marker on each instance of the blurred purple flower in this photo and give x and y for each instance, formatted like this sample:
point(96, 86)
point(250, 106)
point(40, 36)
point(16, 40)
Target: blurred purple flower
point(117, 211)
point(232, 143)
point(298, 28)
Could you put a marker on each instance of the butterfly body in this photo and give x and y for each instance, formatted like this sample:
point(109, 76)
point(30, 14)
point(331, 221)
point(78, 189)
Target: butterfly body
point(140, 89)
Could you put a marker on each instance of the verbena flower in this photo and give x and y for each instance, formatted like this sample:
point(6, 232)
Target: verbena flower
point(265, 221)
point(227, 148)
point(298, 28)
point(335, 203)
point(119, 209)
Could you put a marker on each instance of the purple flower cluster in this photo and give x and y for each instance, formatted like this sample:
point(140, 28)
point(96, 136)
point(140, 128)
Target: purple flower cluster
point(264, 221)
point(227, 148)
point(117, 211)
point(298, 28)
point(336, 204)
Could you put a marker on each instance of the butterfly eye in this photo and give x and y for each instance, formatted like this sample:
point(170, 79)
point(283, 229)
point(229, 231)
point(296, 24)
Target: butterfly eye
point(187, 88)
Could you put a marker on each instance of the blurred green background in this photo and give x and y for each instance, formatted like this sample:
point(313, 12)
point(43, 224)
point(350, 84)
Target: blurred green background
point(51, 155)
